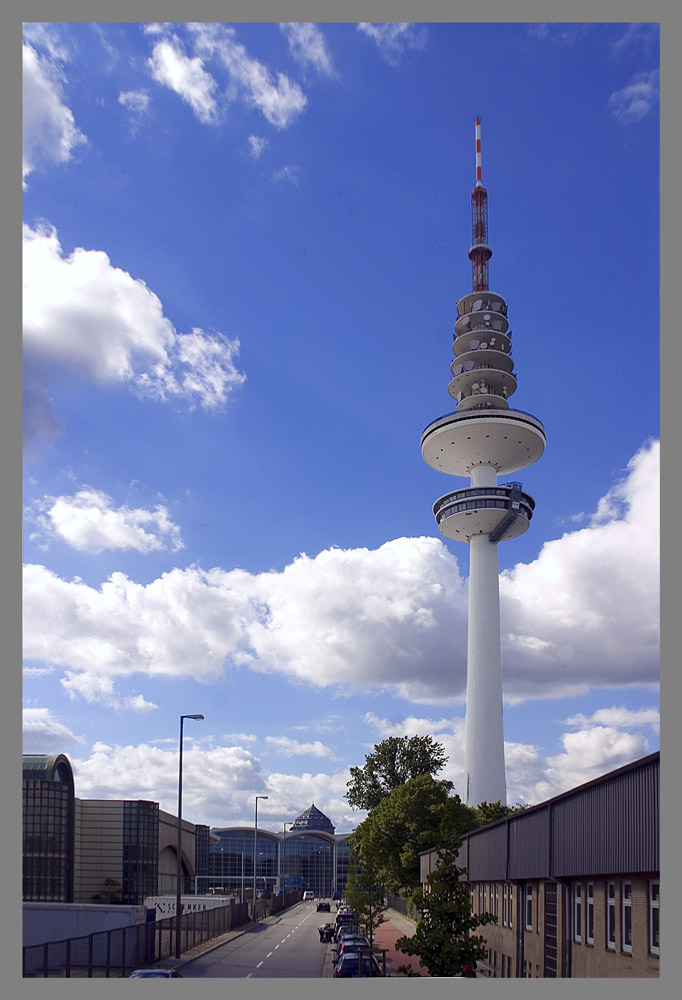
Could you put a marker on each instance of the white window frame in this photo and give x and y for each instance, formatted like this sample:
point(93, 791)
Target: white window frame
point(529, 900)
point(626, 908)
point(589, 914)
point(512, 893)
point(611, 916)
point(654, 907)
point(578, 912)
point(497, 899)
point(505, 904)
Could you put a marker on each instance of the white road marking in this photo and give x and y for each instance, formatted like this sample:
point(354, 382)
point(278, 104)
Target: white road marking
point(249, 975)
point(276, 947)
point(268, 954)
point(259, 965)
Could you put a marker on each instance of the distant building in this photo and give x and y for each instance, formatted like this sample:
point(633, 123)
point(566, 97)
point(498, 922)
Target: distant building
point(308, 856)
point(90, 850)
point(574, 881)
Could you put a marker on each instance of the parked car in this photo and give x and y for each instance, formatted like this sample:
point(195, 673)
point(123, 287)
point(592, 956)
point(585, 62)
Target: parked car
point(155, 974)
point(337, 895)
point(351, 965)
point(350, 946)
point(323, 906)
point(309, 894)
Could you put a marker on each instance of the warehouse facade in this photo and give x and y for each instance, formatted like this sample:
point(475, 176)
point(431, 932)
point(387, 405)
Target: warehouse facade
point(574, 882)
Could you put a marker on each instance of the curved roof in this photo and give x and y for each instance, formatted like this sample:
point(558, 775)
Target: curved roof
point(313, 819)
point(48, 767)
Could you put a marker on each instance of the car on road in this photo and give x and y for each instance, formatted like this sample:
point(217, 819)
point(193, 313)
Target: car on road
point(355, 965)
point(155, 974)
point(309, 894)
point(323, 906)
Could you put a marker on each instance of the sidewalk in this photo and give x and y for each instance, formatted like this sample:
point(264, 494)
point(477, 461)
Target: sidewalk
point(397, 925)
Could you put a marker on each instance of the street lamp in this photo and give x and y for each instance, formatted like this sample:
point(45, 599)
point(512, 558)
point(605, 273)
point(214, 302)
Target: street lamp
point(255, 852)
point(178, 887)
point(284, 843)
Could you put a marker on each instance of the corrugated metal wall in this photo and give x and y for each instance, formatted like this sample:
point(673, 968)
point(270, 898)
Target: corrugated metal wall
point(610, 826)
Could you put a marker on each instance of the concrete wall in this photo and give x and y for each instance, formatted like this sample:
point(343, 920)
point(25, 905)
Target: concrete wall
point(58, 921)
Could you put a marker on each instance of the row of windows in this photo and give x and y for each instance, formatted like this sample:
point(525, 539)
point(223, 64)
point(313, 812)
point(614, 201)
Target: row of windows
point(583, 926)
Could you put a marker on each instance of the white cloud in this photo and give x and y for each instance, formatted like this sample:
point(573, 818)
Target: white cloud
point(186, 76)
point(308, 46)
point(257, 146)
point(90, 523)
point(619, 718)
point(287, 747)
point(636, 100)
point(635, 36)
point(135, 101)
point(391, 619)
point(392, 39)
point(42, 733)
point(287, 173)
point(86, 318)
point(49, 130)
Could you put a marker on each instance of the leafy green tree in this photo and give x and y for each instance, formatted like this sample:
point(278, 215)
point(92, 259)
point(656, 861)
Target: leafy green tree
point(365, 893)
point(416, 816)
point(394, 761)
point(488, 812)
point(443, 941)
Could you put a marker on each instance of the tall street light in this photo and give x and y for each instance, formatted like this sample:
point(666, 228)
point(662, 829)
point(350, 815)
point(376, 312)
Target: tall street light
point(284, 844)
point(255, 852)
point(178, 887)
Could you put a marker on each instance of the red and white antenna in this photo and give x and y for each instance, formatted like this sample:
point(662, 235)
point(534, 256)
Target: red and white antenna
point(479, 252)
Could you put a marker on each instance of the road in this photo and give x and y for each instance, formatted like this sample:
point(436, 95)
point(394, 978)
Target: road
point(287, 947)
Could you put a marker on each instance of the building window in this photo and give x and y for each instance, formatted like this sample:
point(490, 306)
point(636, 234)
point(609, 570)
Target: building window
point(511, 904)
point(496, 911)
point(577, 912)
point(505, 905)
point(654, 911)
point(626, 917)
point(529, 906)
point(589, 916)
point(611, 915)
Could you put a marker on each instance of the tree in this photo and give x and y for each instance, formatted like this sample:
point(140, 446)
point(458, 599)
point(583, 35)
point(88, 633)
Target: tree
point(394, 761)
point(443, 941)
point(365, 893)
point(110, 893)
point(417, 816)
point(488, 812)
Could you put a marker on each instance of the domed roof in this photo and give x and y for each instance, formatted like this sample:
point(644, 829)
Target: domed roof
point(313, 819)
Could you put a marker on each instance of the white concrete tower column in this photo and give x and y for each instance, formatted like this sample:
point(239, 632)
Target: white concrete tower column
point(485, 438)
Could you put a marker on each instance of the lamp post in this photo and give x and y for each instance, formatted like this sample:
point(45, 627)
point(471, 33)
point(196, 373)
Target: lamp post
point(255, 852)
point(178, 887)
point(284, 844)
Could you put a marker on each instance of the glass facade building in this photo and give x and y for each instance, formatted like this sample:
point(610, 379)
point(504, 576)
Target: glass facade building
point(140, 850)
point(48, 828)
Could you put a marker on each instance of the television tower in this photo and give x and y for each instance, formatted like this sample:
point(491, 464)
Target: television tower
point(482, 440)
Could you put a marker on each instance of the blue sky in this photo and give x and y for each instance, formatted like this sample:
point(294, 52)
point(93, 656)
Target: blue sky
point(242, 249)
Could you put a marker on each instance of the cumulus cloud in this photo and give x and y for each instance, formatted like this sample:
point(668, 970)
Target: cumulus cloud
point(308, 46)
point(289, 172)
point(391, 619)
point(84, 317)
point(214, 50)
point(287, 747)
point(392, 39)
point(50, 133)
point(619, 718)
point(636, 100)
point(42, 732)
point(186, 76)
point(89, 522)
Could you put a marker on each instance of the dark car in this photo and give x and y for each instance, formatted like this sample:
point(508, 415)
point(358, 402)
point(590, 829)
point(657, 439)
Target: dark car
point(356, 965)
point(155, 974)
point(350, 946)
point(323, 906)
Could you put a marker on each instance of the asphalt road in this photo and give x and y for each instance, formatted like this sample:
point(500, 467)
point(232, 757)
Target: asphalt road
point(287, 947)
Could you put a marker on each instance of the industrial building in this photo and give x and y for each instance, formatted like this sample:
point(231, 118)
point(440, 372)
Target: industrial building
point(574, 882)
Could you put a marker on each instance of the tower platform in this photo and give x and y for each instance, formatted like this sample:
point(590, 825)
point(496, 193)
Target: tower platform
point(508, 440)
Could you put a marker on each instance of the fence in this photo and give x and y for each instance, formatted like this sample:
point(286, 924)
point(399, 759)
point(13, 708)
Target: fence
point(115, 953)
point(401, 905)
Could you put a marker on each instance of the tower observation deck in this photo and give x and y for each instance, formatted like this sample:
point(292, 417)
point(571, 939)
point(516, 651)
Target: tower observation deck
point(482, 439)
